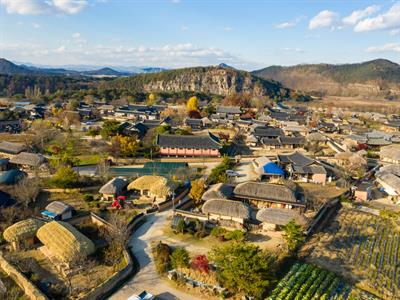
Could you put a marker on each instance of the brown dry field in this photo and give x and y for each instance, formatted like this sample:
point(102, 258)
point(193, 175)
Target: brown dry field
point(358, 104)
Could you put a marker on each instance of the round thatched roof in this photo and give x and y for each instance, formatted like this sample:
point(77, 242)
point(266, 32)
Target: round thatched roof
point(280, 216)
point(22, 230)
point(64, 241)
point(156, 185)
point(231, 208)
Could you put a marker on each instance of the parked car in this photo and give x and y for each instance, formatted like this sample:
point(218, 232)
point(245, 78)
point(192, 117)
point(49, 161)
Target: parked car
point(142, 296)
point(232, 173)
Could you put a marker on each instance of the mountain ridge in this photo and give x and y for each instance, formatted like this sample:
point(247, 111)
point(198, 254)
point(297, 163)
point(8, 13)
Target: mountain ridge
point(375, 77)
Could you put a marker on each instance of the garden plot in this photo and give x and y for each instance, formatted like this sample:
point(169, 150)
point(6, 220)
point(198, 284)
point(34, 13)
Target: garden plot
point(362, 247)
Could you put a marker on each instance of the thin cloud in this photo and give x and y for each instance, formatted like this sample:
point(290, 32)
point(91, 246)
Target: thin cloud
point(390, 47)
point(358, 15)
point(325, 18)
point(385, 21)
point(38, 7)
point(289, 24)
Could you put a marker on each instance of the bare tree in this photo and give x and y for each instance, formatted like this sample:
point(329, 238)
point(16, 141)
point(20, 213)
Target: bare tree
point(27, 190)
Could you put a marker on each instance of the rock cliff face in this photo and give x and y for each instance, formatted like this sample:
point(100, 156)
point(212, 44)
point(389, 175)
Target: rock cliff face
point(377, 77)
point(211, 80)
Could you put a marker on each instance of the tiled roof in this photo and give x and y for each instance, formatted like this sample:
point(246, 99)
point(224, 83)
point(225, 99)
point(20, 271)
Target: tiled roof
point(208, 141)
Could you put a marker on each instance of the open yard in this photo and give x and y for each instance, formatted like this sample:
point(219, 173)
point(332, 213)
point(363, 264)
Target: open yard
point(363, 248)
point(317, 194)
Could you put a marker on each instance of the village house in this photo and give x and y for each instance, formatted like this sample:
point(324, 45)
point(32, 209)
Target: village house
point(157, 188)
point(189, 145)
point(388, 177)
point(11, 126)
point(28, 160)
point(227, 212)
point(232, 111)
point(112, 189)
point(218, 191)
point(363, 192)
point(58, 210)
point(303, 168)
point(266, 169)
point(63, 243)
point(262, 195)
point(390, 154)
point(8, 149)
point(276, 218)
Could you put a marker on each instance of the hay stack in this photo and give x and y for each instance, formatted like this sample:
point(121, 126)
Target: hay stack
point(156, 185)
point(22, 230)
point(64, 241)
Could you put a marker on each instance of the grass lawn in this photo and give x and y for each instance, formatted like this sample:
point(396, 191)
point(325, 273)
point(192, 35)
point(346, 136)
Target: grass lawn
point(91, 159)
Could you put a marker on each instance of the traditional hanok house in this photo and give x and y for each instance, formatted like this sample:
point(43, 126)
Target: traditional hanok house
point(28, 160)
point(303, 168)
point(22, 235)
point(112, 189)
point(261, 195)
point(316, 137)
point(63, 243)
point(270, 132)
point(391, 125)
point(377, 143)
point(276, 218)
point(327, 127)
point(291, 128)
point(58, 210)
point(388, 177)
point(363, 192)
point(345, 159)
point(11, 126)
point(232, 111)
point(218, 191)
point(292, 142)
point(157, 188)
point(189, 145)
point(390, 154)
point(11, 176)
point(271, 143)
point(266, 169)
point(106, 109)
point(228, 213)
point(8, 149)
point(194, 124)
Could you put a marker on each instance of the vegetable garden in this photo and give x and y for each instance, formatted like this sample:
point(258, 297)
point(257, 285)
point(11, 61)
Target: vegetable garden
point(308, 282)
point(366, 245)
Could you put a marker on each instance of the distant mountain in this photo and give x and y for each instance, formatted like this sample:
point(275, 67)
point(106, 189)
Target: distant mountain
point(376, 77)
point(10, 68)
point(211, 80)
point(105, 72)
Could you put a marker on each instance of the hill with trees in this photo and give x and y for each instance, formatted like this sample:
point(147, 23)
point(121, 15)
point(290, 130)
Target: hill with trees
point(215, 80)
point(375, 77)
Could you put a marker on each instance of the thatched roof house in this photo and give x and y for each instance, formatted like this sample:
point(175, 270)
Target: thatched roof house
point(22, 230)
point(28, 159)
point(114, 187)
point(157, 186)
point(266, 194)
point(218, 191)
point(221, 209)
point(11, 148)
point(64, 241)
point(58, 210)
point(280, 217)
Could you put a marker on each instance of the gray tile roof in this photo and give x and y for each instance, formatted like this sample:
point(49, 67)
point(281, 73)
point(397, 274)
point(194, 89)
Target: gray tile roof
point(208, 141)
point(114, 186)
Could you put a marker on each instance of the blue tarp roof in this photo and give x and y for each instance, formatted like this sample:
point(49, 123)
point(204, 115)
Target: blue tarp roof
point(272, 168)
point(46, 213)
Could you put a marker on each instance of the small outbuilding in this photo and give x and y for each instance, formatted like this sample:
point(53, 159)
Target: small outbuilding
point(218, 191)
point(28, 160)
point(156, 187)
point(58, 210)
point(113, 188)
point(21, 235)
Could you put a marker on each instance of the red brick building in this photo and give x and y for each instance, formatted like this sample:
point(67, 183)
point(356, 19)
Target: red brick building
point(189, 145)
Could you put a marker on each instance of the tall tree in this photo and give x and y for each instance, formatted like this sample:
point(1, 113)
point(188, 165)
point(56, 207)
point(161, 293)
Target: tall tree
point(293, 235)
point(192, 103)
point(197, 190)
point(244, 268)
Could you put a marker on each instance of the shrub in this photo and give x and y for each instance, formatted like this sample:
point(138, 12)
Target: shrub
point(161, 253)
point(180, 258)
point(65, 177)
point(236, 235)
point(218, 231)
point(200, 262)
point(88, 197)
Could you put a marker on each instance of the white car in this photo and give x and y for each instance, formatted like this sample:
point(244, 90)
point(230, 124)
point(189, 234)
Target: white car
point(142, 296)
point(232, 173)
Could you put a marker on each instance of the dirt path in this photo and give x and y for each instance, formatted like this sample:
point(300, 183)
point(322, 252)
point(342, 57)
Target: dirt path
point(148, 278)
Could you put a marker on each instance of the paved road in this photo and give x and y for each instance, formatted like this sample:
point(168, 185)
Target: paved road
point(148, 278)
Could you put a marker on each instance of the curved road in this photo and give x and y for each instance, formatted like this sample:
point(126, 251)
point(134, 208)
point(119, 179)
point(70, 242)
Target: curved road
point(147, 278)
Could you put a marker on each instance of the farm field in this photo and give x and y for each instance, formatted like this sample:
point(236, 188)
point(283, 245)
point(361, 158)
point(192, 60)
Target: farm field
point(308, 282)
point(362, 248)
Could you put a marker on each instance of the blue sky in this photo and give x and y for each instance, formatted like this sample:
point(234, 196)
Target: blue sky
point(172, 33)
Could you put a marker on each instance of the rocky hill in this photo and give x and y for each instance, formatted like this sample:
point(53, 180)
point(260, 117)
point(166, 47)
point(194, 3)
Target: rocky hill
point(376, 77)
point(216, 80)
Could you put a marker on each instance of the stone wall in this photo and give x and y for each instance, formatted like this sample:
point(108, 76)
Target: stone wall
point(28, 287)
